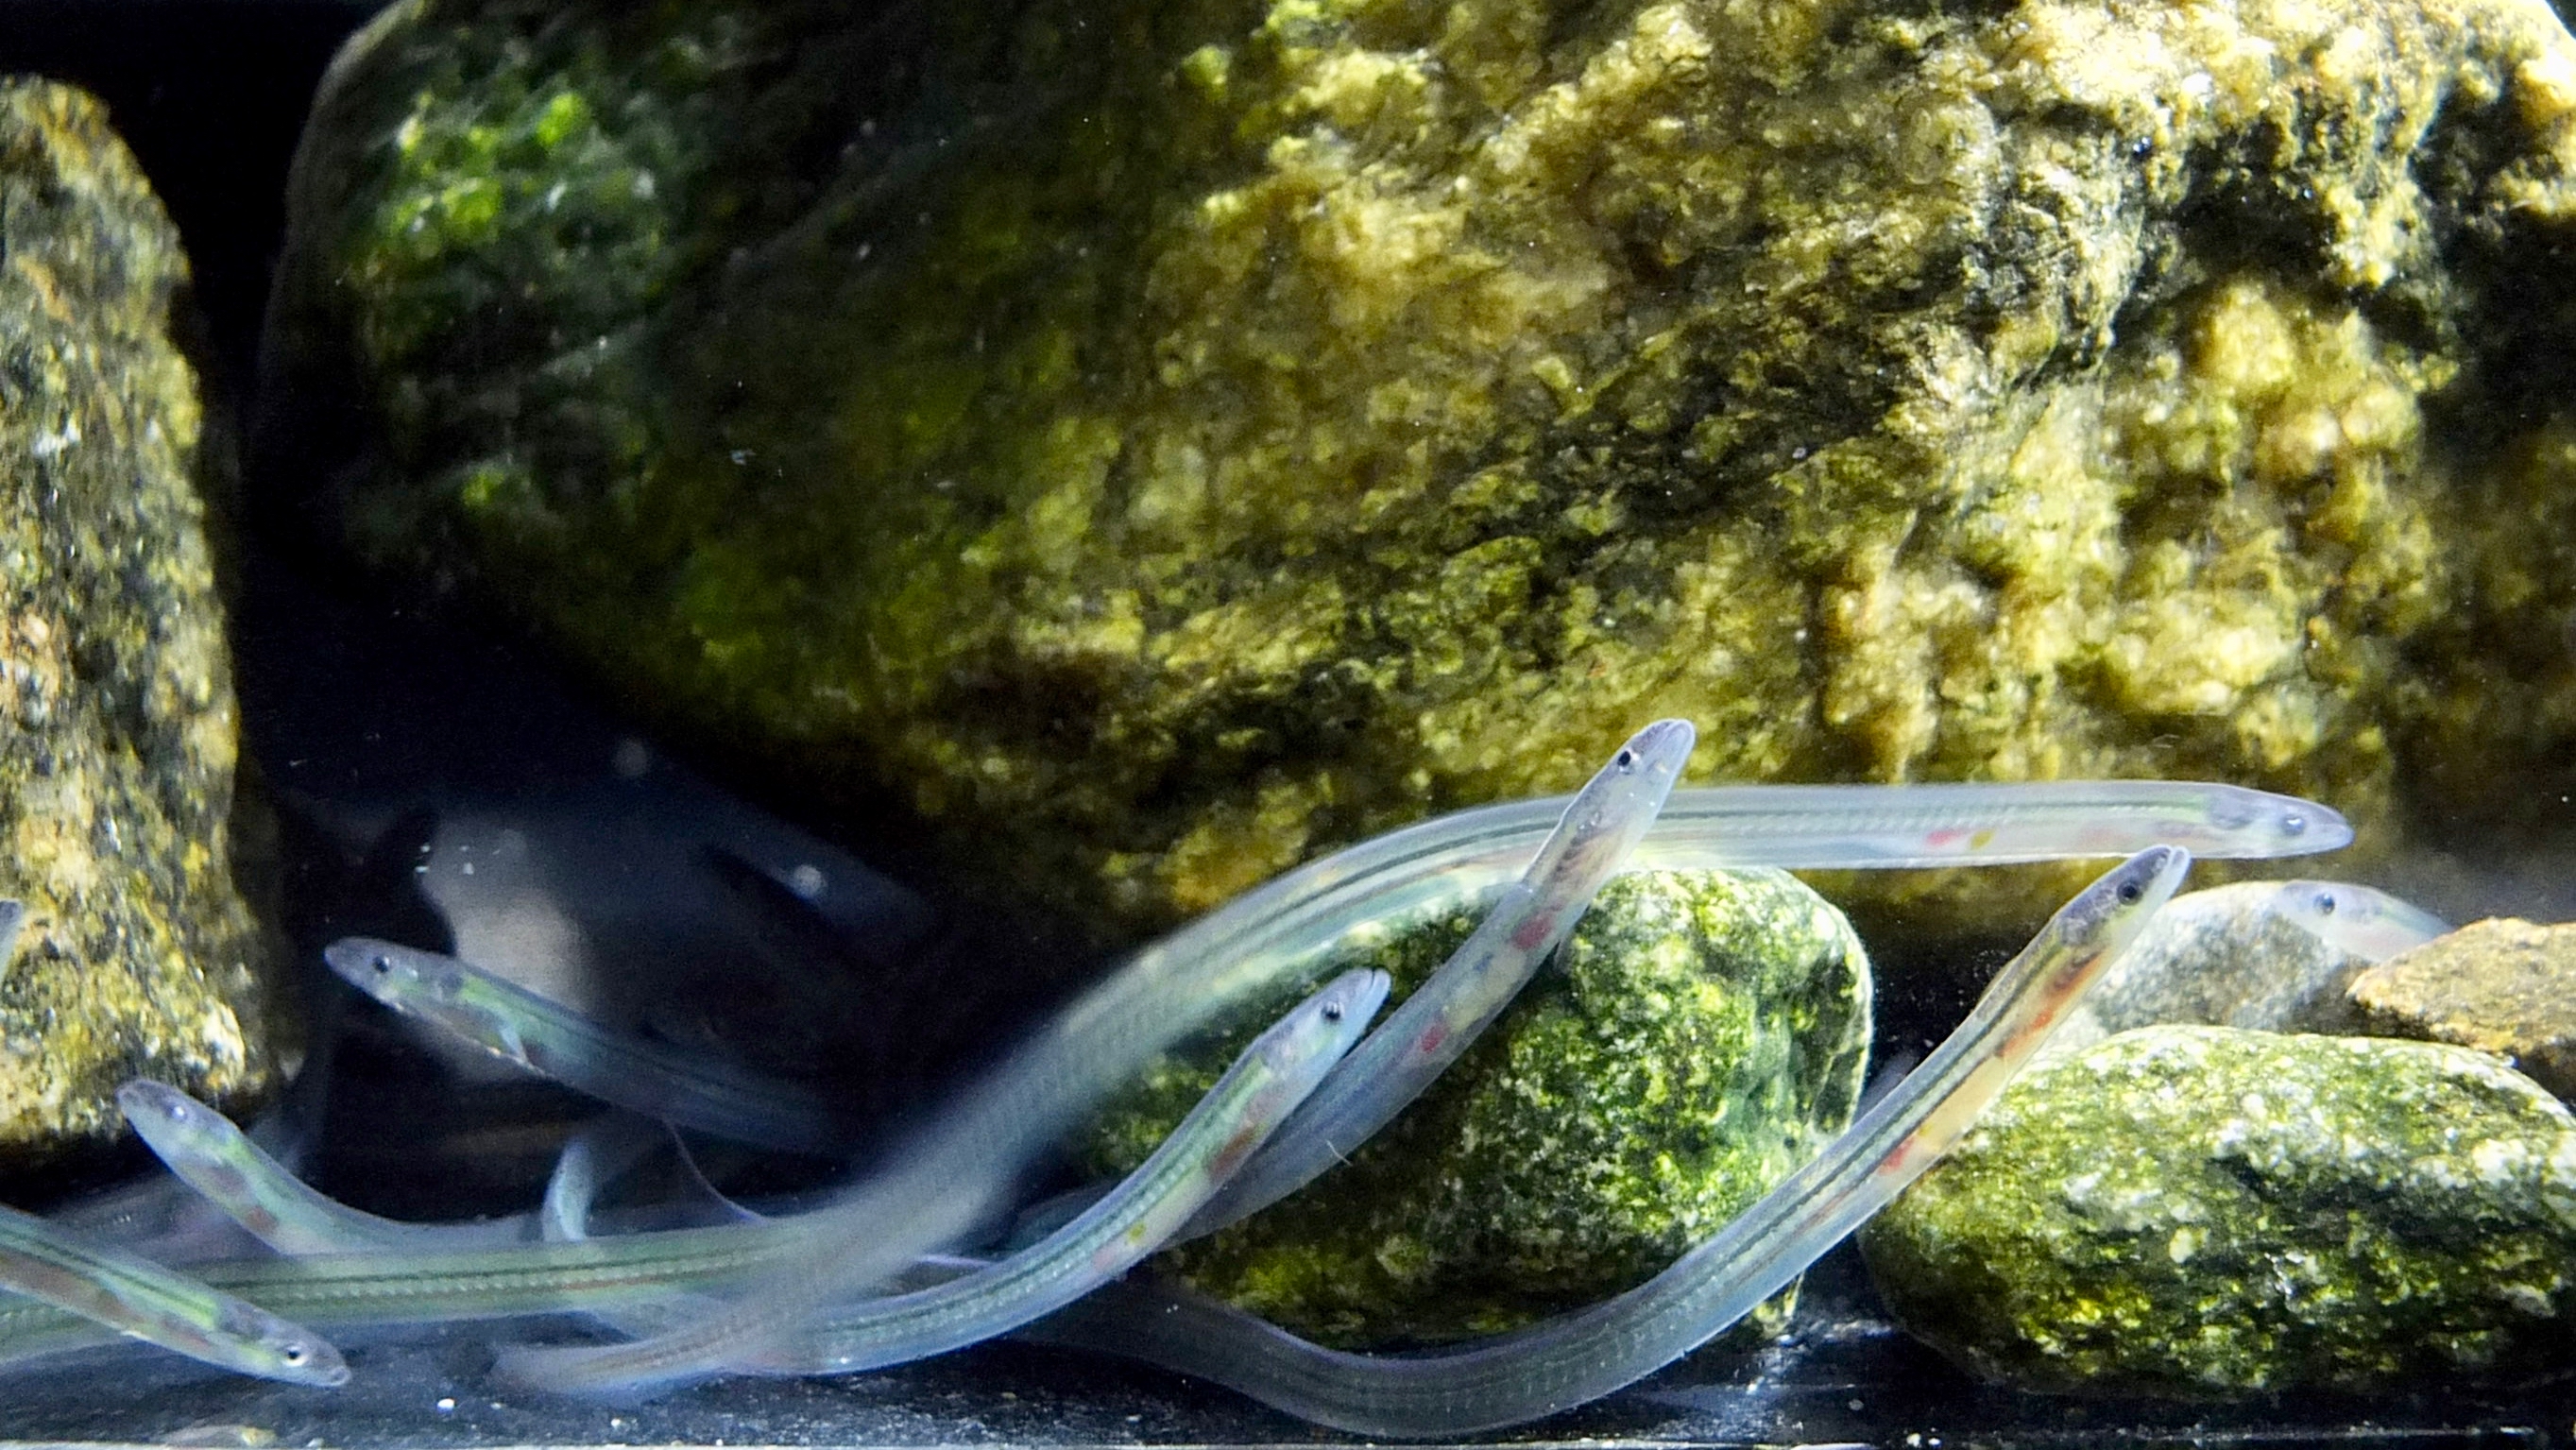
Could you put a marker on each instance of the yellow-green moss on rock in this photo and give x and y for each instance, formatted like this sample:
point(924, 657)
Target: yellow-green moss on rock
point(1702, 1034)
point(1151, 443)
point(139, 958)
point(2211, 1211)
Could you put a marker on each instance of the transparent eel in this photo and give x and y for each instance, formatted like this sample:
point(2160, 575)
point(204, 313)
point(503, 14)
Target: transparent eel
point(595, 1157)
point(957, 1171)
point(158, 1217)
point(1428, 1031)
point(1566, 1361)
point(2362, 921)
point(143, 1300)
point(1229, 1124)
point(635, 1073)
point(230, 1173)
point(600, 1275)
point(1502, 1381)
point(207, 1152)
point(641, 1272)
point(1593, 835)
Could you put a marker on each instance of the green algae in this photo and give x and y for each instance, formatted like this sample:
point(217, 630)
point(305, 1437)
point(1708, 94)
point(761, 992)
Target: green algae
point(2206, 1211)
point(1153, 443)
point(139, 957)
point(1703, 1034)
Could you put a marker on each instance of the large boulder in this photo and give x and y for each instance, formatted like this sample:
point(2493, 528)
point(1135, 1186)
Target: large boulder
point(116, 705)
point(1702, 1034)
point(2212, 1211)
point(1149, 443)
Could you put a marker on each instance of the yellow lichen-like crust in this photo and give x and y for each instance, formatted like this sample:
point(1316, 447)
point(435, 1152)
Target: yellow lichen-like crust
point(1313, 414)
point(116, 706)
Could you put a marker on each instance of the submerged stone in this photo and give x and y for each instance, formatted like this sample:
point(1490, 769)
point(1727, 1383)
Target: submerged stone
point(2224, 957)
point(116, 708)
point(1151, 443)
point(1701, 1034)
point(2507, 987)
point(2205, 1211)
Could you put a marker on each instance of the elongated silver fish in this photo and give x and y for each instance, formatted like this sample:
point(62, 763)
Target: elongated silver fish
point(2362, 920)
point(1264, 1085)
point(518, 1026)
point(218, 1160)
point(957, 1172)
point(140, 1299)
point(1592, 839)
point(1565, 1361)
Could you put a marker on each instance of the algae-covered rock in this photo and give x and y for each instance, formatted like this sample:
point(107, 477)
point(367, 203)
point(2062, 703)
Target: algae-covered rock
point(1153, 442)
point(2500, 986)
point(2206, 1211)
point(1701, 1034)
point(116, 705)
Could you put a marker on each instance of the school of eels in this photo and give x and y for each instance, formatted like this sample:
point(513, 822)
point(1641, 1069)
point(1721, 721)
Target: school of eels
point(929, 1250)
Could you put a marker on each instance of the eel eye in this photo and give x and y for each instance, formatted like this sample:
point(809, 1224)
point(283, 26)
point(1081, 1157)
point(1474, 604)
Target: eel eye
point(293, 1354)
point(2325, 903)
point(1625, 760)
point(2294, 824)
point(2131, 891)
point(384, 965)
point(1332, 1011)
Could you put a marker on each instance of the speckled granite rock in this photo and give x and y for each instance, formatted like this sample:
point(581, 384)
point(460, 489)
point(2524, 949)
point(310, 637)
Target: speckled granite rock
point(1152, 442)
point(1702, 1034)
point(2506, 987)
point(116, 707)
point(2207, 1211)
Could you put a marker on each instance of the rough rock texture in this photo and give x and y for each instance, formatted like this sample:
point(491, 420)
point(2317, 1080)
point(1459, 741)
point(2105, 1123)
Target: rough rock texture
point(1153, 442)
point(2506, 987)
point(2207, 1211)
point(1701, 1034)
point(2225, 957)
point(116, 706)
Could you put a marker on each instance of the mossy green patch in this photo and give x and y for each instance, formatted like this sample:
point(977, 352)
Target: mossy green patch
point(1705, 1033)
point(2208, 1211)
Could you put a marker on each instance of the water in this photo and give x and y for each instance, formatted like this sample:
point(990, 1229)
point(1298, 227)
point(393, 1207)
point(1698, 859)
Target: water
point(551, 853)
